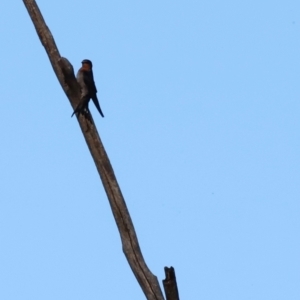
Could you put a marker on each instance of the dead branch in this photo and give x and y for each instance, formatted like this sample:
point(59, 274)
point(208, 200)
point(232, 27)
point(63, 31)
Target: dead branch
point(65, 74)
point(170, 284)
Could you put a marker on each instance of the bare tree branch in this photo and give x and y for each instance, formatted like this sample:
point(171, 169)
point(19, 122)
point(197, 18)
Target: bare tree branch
point(170, 284)
point(65, 74)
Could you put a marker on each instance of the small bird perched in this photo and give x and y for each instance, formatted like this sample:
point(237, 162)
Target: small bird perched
point(85, 79)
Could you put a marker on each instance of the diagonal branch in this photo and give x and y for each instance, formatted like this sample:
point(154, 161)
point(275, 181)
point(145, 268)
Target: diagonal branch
point(65, 74)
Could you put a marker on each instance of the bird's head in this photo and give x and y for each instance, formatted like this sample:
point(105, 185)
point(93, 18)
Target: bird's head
point(87, 63)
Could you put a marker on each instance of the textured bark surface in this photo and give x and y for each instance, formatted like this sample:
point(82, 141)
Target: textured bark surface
point(65, 74)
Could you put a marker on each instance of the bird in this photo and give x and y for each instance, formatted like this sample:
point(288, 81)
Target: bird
point(85, 78)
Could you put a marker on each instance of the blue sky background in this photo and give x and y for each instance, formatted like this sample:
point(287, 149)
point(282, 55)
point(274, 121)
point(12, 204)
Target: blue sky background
point(202, 127)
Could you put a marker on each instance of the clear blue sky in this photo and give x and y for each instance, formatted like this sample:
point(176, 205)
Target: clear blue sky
point(202, 127)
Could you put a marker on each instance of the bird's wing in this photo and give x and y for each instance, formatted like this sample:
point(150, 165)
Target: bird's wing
point(89, 81)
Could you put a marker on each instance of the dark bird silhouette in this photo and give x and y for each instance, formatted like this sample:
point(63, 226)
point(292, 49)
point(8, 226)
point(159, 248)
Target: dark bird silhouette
point(85, 79)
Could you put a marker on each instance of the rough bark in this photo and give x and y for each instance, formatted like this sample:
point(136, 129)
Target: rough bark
point(65, 74)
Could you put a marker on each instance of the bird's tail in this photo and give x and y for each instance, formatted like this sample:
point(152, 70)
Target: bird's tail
point(81, 106)
point(101, 113)
point(96, 102)
point(76, 110)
